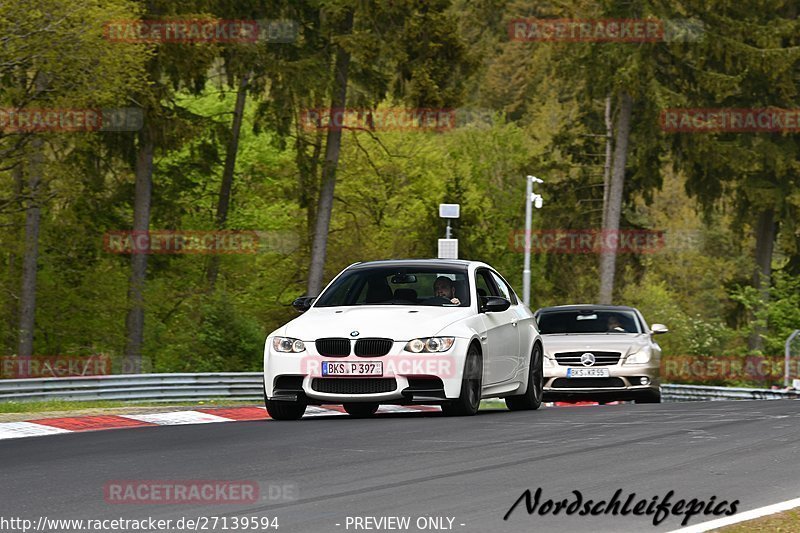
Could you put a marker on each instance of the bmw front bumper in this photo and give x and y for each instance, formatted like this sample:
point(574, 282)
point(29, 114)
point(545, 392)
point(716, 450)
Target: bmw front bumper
point(407, 377)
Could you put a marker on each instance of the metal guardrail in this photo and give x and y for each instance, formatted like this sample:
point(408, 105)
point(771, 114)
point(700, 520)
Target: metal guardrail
point(138, 387)
point(688, 393)
point(249, 386)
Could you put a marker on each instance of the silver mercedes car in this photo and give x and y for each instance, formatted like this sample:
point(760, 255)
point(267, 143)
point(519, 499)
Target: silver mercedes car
point(599, 353)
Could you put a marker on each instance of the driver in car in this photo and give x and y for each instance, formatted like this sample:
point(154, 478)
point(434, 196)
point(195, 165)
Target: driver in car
point(443, 287)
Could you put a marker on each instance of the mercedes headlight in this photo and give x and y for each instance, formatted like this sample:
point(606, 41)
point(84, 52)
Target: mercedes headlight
point(288, 345)
point(639, 358)
point(430, 345)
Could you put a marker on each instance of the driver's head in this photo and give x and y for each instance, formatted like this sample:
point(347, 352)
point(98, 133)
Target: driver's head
point(613, 322)
point(443, 287)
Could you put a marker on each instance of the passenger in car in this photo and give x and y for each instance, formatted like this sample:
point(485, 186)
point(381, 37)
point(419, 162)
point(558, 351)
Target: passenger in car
point(443, 288)
point(614, 324)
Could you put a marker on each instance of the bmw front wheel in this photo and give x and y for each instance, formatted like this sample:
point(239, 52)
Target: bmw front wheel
point(471, 386)
point(279, 410)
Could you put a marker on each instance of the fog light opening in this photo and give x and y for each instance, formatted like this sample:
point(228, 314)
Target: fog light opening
point(644, 380)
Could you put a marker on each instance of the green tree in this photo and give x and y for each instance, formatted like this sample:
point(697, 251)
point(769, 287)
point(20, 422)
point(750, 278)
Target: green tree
point(54, 56)
point(749, 58)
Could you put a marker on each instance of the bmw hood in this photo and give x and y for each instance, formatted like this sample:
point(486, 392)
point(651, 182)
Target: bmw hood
point(398, 322)
point(624, 343)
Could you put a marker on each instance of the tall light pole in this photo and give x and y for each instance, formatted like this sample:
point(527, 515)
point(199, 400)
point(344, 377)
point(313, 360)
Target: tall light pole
point(536, 199)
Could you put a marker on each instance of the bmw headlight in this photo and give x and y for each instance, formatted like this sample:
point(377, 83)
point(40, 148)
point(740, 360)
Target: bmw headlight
point(288, 345)
point(430, 344)
point(639, 358)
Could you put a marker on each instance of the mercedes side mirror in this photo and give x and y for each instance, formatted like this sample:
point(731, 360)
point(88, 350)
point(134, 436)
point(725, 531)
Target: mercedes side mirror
point(659, 328)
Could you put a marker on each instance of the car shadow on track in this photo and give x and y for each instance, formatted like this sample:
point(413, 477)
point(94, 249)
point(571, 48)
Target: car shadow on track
point(390, 415)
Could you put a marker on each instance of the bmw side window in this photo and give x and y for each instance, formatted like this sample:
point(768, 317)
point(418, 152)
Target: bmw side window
point(483, 285)
point(493, 290)
point(505, 290)
point(514, 299)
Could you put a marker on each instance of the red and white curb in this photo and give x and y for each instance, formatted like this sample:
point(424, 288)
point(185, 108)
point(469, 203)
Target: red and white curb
point(56, 426)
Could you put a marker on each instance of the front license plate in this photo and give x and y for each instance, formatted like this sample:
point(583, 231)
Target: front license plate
point(352, 368)
point(587, 373)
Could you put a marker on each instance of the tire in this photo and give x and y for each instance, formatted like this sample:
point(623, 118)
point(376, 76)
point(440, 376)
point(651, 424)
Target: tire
point(279, 410)
point(469, 400)
point(361, 410)
point(532, 398)
point(653, 396)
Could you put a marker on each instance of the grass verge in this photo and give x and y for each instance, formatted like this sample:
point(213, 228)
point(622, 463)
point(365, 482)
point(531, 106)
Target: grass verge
point(63, 405)
point(785, 522)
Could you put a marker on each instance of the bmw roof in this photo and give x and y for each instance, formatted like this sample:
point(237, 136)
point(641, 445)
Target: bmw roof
point(416, 263)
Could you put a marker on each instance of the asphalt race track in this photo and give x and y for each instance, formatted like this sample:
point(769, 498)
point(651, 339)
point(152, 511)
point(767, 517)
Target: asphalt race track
point(425, 465)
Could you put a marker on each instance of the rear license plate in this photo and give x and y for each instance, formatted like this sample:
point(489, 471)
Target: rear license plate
point(587, 373)
point(352, 368)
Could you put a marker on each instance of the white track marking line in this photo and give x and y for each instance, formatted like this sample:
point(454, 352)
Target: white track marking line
point(397, 409)
point(178, 418)
point(740, 517)
point(15, 430)
point(315, 410)
point(425, 408)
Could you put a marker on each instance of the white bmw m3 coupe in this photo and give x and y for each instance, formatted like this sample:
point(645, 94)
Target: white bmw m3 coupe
point(426, 331)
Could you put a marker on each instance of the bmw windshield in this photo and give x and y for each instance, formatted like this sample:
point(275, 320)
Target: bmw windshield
point(432, 286)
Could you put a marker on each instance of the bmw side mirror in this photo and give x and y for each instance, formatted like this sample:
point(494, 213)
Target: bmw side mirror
point(659, 328)
point(495, 304)
point(303, 304)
